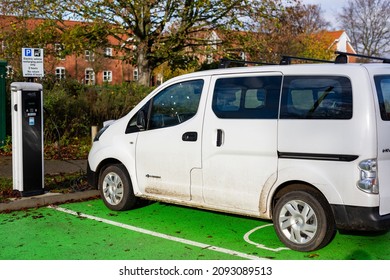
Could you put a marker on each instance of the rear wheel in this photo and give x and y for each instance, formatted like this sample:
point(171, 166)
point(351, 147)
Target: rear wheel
point(116, 189)
point(303, 220)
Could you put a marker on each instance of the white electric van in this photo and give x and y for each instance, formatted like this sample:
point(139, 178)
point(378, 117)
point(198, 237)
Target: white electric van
point(306, 145)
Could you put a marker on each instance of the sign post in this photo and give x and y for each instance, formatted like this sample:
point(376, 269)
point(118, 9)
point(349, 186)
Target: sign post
point(3, 101)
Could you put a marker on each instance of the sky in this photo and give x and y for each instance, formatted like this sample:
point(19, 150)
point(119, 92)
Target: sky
point(330, 9)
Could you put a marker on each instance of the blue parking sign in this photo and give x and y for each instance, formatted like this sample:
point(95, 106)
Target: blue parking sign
point(27, 52)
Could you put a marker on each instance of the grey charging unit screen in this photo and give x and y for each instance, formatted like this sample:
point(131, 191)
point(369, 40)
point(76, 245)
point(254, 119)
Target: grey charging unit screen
point(27, 138)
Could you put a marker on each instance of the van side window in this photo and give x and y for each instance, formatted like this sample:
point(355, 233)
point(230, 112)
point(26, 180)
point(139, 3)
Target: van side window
point(175, 104)
point(316, 97)
point(247, 97)
point(382, 84)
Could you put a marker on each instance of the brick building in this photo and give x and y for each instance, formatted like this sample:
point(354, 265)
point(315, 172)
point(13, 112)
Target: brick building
point(106, 64)
point(98, 66)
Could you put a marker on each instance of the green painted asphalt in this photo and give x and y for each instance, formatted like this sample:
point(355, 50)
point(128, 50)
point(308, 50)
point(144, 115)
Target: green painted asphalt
point(158, 231)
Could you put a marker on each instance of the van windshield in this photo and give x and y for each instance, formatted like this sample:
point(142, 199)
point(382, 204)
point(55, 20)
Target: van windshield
point(382, 83)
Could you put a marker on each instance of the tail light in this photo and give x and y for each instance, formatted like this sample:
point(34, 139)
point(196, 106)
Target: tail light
point(368, 176)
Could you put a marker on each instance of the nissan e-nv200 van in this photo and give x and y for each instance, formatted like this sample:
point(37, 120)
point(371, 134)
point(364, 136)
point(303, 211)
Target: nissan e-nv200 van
point(306, 146)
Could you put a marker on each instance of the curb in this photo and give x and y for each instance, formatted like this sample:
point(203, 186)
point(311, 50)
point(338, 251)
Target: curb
point(46, 199)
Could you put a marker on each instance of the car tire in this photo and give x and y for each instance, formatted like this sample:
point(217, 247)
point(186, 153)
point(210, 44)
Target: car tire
point(116, 189)
point(303, 220)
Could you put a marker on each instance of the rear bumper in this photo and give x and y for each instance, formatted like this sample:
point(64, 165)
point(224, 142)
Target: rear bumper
point(360, 218)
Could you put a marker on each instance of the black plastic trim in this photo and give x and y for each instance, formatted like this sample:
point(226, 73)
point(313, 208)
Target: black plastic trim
point(310, 156)
point(360, 218)
point(343, 56)
point(91, 177)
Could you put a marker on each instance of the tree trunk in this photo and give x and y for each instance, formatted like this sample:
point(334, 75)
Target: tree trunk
point(144, 70)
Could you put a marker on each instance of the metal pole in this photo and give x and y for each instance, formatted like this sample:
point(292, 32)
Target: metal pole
point(3, 102)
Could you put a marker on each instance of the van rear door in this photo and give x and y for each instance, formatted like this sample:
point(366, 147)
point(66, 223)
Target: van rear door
point(382, 85)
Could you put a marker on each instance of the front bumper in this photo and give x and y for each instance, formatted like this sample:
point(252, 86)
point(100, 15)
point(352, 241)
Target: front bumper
point(91, 177)
point(360, 218)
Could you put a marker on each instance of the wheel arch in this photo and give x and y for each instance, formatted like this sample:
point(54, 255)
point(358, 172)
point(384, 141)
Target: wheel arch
point(293, 224)
point(295, 186)
point(104, 164)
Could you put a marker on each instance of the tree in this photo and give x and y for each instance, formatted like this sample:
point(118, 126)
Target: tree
point(280, 29)
point(19, 32)
point(152, 32)
point(367, 22)
point(16, 33)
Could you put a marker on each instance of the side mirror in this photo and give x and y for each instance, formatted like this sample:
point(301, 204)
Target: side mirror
point(141, 120)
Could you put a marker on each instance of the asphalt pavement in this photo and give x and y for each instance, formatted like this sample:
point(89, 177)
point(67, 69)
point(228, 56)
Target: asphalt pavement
point(51, 167)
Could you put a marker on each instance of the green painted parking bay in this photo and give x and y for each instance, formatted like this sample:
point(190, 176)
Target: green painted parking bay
point(88, 230)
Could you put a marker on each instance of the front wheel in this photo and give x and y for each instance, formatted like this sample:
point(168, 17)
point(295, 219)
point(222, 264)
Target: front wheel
point(303, 220)
point(116, 189)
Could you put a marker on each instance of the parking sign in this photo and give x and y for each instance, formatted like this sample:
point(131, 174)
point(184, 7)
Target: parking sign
point(32, 62)
point(27, 52)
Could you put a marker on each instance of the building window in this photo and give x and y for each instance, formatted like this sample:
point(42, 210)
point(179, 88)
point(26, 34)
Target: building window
point(214, 40)
point(209, 59)
point(9, 71)
point(107, 76)
point(243, 56)
point(59, 50)
point(135, 75)
point(60, 73)
point(3, 46)
point(89, 55)
point(108, 52)
point(89, 76)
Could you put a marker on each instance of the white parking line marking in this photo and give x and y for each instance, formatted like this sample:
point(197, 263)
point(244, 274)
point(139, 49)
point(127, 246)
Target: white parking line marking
point(159, 235)
point(261, 246)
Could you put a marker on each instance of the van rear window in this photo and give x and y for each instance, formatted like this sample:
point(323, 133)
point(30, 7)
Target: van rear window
point(382, 84)
point(316, 97)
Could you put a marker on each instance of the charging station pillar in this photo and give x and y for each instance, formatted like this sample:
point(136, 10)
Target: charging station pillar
point(27, 138)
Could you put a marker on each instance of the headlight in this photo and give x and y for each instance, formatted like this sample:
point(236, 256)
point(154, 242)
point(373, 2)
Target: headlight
point(368, 177)
point(100, 133)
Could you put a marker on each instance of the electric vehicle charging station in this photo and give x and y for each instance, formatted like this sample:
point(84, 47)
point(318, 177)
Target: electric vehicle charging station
point(27, 138)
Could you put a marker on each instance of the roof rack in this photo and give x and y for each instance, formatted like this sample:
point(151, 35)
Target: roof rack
point(286, 59)
point(224, 62)
point(343, 57)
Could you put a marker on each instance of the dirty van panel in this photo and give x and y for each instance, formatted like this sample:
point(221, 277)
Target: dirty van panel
point(168, 149)
point(382, 83)
point(314, 134)
point(240, 139)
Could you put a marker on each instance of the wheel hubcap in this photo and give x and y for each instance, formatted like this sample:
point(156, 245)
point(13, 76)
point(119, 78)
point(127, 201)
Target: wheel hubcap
point(298, 221)
point(112, 188)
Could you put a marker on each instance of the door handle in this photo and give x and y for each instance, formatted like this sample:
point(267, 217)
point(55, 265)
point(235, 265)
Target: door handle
point(219, 137)
point(190, 136)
